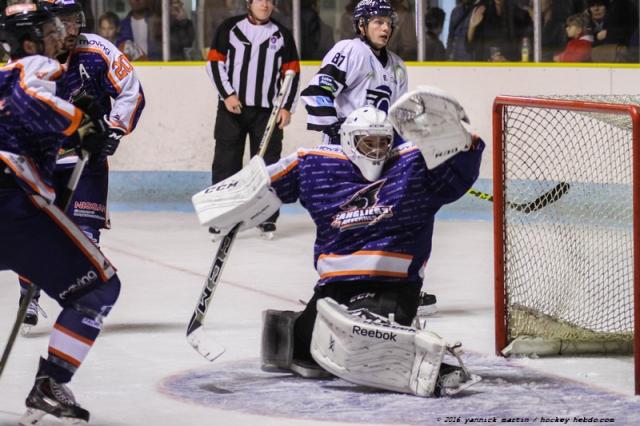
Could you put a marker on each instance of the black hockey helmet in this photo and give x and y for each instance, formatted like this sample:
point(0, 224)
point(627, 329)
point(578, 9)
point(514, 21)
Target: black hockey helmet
point(24, 22)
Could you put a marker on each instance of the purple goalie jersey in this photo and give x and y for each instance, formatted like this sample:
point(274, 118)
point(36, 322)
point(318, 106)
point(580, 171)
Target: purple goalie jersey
point(372, 230)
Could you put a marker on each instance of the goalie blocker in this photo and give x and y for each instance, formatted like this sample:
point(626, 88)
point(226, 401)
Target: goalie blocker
point(245, 197)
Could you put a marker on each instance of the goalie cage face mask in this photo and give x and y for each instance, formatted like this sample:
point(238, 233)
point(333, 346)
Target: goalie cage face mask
point(366, 137)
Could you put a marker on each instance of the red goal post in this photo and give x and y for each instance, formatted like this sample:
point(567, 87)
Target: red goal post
point(567, 273)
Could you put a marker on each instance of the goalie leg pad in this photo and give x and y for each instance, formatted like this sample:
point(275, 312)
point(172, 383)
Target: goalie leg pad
point(277, 339)
point(368, 349)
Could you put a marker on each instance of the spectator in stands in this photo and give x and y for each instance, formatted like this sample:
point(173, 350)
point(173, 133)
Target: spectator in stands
point(458, 27)
point(403, 41)
point(578, 48)
point(433, 21)
point(612, 24)
point(216, 11)
point(345, 29)
point(182, 31)
point(554, 14)
point(108, 25)
point(317, 37)
point(136, 38)
point(490, 34)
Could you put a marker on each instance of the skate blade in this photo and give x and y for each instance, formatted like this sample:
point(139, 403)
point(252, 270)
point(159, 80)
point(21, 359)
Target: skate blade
point(472, 380)
point(267, 235)
point(31, 417)
point(72, 421)
point(25, 330)
point(424, 311)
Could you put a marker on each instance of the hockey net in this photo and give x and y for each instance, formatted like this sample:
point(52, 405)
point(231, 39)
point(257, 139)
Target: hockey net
point(566, 266)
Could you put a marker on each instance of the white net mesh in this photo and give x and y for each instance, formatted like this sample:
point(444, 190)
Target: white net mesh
point(568, 260)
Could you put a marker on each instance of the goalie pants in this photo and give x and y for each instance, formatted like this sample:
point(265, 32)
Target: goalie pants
point(231, 132)
point(400, 298)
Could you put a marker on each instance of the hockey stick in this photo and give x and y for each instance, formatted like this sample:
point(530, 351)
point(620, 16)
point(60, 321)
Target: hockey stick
point(549, 197)
point(63, 202)
point(195, 330)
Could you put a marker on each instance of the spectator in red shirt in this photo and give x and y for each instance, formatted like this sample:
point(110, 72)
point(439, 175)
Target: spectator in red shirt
point(578, 48)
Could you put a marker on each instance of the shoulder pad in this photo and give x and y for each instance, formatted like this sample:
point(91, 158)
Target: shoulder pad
point(38, 67)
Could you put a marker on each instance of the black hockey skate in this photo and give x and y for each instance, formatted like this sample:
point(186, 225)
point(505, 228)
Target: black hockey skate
point(427, 304)
point(267, 230)
point(50, 397)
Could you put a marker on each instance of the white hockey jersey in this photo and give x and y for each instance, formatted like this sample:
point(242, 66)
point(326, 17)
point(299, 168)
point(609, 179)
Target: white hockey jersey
point(352, 76)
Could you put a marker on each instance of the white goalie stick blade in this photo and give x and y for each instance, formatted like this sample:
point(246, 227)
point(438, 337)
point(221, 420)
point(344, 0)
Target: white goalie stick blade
point(205, 347)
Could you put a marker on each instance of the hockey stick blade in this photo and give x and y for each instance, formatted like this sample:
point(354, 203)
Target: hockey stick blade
point(195, 335)
point(549, 197)
point(209, 349)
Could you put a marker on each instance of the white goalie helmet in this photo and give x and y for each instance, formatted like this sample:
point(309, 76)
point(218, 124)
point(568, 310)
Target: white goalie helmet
point(366, 137)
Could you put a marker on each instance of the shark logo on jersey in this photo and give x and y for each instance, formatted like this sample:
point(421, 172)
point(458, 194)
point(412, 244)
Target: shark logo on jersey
point(380, 97)
point(362, 209)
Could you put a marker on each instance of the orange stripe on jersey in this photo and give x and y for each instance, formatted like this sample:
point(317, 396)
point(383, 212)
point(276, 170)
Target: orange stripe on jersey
point(216, 56)
point(407, 150)
point(370, 253)
point(71, 360)
point(365, 272)
point(72, 334)
point(284, 172)
point(73, 117)
point(293, 65)
point(133, 114)
point(28, 181)
point(75, 122)
point(324, 154)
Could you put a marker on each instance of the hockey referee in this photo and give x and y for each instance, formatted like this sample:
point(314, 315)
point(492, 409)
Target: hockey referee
point(249, 55)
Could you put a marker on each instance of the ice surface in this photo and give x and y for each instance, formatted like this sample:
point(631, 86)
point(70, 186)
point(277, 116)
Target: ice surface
point(139, 371)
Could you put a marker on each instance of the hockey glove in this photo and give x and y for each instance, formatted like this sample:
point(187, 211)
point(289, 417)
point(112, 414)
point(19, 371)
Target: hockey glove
point(333, 131)
point(101, 140)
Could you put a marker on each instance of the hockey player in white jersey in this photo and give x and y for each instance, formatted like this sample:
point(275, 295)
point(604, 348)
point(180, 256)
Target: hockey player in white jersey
point(96, 73)
point(373, 206)
point(356, 72)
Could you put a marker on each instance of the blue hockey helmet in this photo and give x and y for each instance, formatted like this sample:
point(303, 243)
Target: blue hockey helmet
point(66, 10)
point(366, 9)
point(24, 22)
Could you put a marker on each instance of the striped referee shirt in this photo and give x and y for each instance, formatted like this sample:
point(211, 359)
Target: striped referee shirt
point(249, 60)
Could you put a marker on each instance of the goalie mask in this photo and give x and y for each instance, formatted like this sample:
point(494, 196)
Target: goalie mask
point(366, 137)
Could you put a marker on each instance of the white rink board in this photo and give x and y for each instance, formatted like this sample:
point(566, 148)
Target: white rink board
point(176, 128)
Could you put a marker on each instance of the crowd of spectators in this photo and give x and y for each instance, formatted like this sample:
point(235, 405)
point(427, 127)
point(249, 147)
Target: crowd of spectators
point(478, 30)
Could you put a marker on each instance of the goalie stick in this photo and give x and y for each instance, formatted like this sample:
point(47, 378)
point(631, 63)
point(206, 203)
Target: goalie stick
point(195, 330)
point(62, 202)
point(549, 197)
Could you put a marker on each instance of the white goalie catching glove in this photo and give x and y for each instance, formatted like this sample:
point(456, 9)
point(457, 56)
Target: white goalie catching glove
point(434, 121)
point(368, 349)
point(245, 197)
